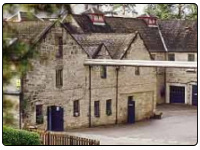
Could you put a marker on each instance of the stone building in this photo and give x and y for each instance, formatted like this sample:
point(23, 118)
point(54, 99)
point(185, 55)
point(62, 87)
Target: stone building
point(62, 93)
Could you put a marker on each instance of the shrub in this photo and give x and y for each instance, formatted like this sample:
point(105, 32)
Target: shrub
point(19, 137)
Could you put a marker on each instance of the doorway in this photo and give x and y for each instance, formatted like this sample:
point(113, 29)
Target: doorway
point(55, 118)
point(131, 110)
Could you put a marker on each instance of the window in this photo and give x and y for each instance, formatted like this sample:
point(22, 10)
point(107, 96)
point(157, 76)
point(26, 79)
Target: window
point(100, 18)
point(153, 56)
point(97, 109)
point(59, 78)
point(190, 57)
point(171, 57)
point(109, 107)
point(39, 114)
point(103, 72)
point(96, 18)
point(59, 53)
point(130, 99)
point(137, 71)
point(76, 108)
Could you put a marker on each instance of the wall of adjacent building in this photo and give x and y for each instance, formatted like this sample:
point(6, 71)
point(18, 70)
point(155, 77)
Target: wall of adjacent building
point(181, 77)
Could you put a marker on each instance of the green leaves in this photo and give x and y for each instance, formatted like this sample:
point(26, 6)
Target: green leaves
point(19, 137)
point(173, 11)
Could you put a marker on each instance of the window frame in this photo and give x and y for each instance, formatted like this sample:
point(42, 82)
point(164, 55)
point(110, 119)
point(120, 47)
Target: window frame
point(59, 78)
point(189, 58)
point(76, 108)
point(109, 107)
point(103, 72)
point(59, 43)
point(137, 71)
point(97, 109)
point(169, 57)
point(39, 114)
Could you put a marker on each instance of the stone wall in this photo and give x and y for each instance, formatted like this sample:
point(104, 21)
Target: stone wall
point(142, 87)
point(160, 75)
point(181, 77)
point(40, 83)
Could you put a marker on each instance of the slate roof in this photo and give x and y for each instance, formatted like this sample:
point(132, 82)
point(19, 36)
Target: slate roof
point(179, 35)
point(27, 32)
point(150, 36)
point(115, 43)
point(116, 35)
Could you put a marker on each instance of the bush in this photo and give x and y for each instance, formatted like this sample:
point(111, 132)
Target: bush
point(19, 137)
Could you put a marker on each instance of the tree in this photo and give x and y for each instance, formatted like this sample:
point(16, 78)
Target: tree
point(162, 11)
point(192, 11)
point(116, 9)
point(125, 8)
point(172, 11)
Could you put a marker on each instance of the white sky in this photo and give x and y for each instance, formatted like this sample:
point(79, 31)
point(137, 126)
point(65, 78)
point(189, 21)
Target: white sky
point(79, 8)
point(139, 8)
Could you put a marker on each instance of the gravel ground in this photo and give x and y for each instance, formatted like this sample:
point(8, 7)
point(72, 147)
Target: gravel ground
point(178, 126)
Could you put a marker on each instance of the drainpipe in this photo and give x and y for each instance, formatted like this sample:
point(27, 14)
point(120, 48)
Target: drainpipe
point(20, 102)
point(117, 83)
point(90, 96)
point(166, 51)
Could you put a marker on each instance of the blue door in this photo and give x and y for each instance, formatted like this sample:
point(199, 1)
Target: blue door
point(131, 110)
point(55, 118)
point(194, 95)
point(177, 94)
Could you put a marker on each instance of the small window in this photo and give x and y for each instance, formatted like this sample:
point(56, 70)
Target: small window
point(59, 78)
point(137, 71)
point(109, 107)
point(153, 56)
point(76, 108)
point(96, 18)
point(39, 114)
point(171, 57)
point(103, 72)
point(59, 53)
point(190, 57)
point(130, 99)
point(97, 109)
point(100, 18)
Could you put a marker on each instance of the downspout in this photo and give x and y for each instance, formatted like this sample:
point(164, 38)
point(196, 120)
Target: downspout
point(166, 51)
point(90, 96)
point(117, 83)
point(21, 101)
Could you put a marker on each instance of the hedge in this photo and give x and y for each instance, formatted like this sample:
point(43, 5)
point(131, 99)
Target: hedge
point(19, 137)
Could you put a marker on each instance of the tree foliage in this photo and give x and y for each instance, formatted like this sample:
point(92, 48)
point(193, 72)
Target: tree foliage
point(173, 11)
point(115, 9)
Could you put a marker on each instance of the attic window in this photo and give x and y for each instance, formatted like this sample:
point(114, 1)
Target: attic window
point(59, 43)
point(97, 19)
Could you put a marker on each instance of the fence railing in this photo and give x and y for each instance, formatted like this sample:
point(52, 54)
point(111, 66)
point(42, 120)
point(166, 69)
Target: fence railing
point(53, 138)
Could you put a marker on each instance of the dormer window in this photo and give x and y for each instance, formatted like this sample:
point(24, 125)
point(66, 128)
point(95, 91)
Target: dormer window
point(150, 20)
point(96, 16)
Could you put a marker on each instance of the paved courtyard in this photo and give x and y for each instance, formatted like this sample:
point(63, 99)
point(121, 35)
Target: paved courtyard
point(178, 126)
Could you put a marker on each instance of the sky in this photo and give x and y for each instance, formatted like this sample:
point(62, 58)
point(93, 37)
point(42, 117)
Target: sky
point(139, 8)
point(79, 8)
